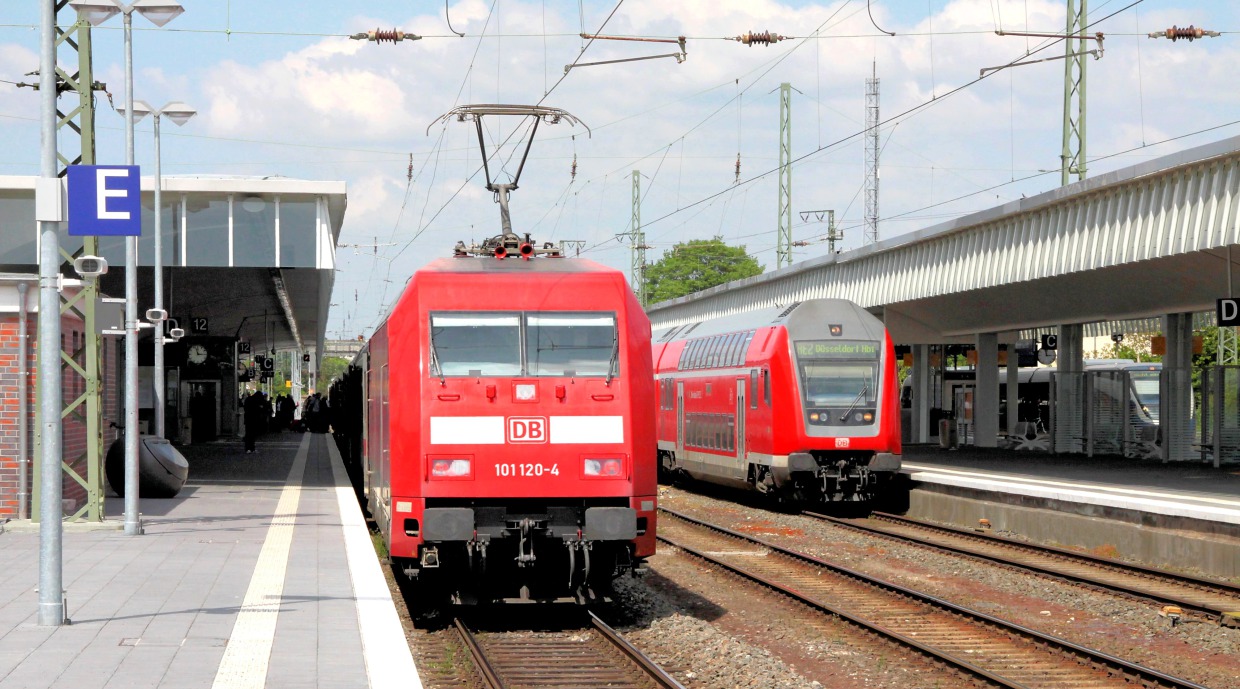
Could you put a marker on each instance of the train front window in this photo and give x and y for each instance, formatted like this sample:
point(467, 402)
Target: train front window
point(839, 381)
point(1145, 383)
point(476, 344)
point(838, 385)
point(571, 344)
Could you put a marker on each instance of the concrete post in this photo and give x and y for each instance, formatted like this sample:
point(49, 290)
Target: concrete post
point(1176, 388)
point(1013, 389)
point(921, 393)
point(986, 392)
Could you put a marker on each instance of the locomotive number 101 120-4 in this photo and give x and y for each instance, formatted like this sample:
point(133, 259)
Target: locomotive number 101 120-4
point(517, 469)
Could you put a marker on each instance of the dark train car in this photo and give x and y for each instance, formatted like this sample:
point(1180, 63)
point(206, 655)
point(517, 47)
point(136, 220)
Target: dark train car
point(509, 428)
point(799, 401)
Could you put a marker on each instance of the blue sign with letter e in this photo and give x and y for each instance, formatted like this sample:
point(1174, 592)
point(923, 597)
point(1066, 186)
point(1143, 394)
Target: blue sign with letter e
point(105, 200)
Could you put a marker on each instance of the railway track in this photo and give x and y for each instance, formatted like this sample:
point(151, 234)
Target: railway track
point(597, 656)
point(1213, 599)
point(984, 648)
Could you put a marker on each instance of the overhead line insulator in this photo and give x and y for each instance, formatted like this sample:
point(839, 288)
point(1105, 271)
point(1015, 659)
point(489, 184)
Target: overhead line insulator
point(385, 36)
point(759, 38)
point(1191, 33)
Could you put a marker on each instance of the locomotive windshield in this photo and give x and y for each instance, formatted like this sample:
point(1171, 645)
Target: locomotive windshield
point(839, 381)
point(568, 344)
point(524, 344)
point(477, 344)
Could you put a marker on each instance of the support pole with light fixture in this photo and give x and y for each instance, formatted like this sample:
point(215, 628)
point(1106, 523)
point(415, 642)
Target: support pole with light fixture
point(158, 12)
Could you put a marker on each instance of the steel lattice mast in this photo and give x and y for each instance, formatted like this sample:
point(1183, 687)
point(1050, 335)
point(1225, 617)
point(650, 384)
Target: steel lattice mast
point(87, 408)
point(783, 245)
point(871, 157)
point(1073, 155)
point(637, 270)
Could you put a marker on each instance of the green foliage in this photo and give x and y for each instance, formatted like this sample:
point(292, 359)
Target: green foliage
point(697, 265)
point(331, 369)
point(1135, 347)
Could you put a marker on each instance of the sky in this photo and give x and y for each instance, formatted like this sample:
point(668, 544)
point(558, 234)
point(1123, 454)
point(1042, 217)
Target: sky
point(282, 91)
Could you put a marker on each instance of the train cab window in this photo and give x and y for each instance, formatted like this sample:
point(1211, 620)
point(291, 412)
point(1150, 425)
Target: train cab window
point(840, 377)
point(476, 343)
point(753, 389)
point(571, 344)
point(766, 387)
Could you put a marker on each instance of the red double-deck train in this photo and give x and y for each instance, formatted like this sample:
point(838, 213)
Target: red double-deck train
point(800, 401)
point(508, 434)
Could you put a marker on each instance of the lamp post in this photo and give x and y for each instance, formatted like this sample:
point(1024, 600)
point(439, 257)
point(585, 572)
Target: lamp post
point(179, 113)
point(159, 12)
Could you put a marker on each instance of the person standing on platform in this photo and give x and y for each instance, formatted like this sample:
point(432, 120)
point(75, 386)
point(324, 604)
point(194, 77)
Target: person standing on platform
point(255, 419)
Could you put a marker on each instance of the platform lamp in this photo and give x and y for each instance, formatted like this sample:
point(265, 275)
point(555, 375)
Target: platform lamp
point(179, 113)
point(159, 13)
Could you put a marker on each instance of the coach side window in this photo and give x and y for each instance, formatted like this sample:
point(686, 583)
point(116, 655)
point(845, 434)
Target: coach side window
point(753, 389)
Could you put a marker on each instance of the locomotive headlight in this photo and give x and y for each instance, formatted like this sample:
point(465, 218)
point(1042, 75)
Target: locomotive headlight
point(525, 392)
point(867, 417)
point(604, 468)
point(813, 416)
point(450, 468)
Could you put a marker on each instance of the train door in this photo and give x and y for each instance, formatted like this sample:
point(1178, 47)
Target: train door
point(680, 423)
point(385, 465)
point(742, 466)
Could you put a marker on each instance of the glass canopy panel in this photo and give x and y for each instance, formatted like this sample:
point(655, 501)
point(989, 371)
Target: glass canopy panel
point(254, 231)
point(206, 240)
point(298, 231)
point(170, 228)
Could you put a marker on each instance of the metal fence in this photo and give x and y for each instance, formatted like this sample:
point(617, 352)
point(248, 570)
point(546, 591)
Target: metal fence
point(1219, 439)
point(1108, 418)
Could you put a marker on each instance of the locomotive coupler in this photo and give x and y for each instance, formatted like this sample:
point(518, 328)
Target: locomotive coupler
point(525, 551)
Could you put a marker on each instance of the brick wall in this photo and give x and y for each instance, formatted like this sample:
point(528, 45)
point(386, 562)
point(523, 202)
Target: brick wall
point(73, 430)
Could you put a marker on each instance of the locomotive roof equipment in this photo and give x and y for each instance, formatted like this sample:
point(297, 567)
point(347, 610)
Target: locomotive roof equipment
point(538, 113)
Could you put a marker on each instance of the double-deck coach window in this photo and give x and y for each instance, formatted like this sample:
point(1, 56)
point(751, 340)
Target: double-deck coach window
point(524, 344)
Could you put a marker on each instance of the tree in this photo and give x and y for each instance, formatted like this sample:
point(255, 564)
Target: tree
point(331, 369)
point(697, 265)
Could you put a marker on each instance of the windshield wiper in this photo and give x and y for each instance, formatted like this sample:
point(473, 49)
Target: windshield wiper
point(865, 387)
point(615, 355)
point(435, 363)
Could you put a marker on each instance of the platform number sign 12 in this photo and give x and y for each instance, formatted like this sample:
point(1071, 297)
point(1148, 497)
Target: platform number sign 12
point(199, 325)
point(243, 347)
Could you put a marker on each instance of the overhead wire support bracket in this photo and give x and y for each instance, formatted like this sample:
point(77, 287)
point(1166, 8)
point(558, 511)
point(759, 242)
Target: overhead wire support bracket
point(680, 57)
point(1097, 53)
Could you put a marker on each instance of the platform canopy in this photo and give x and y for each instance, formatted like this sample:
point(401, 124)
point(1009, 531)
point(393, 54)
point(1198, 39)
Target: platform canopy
point(255, 257)
point(1136, 243)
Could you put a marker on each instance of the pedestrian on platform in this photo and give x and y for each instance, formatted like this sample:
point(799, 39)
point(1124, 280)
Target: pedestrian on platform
point(255, 419)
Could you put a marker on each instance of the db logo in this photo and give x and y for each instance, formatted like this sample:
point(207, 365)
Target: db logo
point(841, 442)
point(527, 429)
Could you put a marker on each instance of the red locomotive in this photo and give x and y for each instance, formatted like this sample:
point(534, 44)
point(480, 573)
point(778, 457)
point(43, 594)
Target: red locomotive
point(800, 401)
point(509, 423)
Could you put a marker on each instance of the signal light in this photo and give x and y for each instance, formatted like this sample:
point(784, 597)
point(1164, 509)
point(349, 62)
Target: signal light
point(450, 468)
point(604, 468)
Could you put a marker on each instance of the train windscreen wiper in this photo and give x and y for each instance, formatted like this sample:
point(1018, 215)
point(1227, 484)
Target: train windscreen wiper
point(435, 363)
point(865, 387)
point(615, 355)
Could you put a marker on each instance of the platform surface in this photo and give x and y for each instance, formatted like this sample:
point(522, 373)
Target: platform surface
point(260, 573)
point(1183, 489)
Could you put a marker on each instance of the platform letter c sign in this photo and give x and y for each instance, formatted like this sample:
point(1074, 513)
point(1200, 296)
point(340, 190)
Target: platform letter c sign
point(527, 429)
